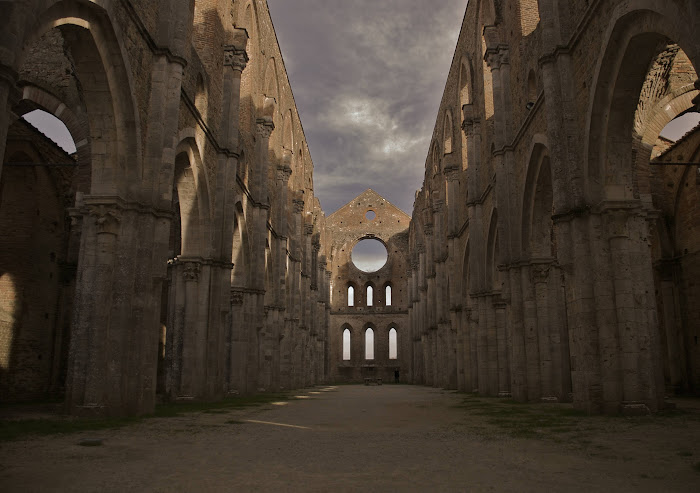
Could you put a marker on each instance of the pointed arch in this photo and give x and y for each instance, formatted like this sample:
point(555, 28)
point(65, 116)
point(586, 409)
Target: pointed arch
point(393, 343)
point(369, 343)
point(107, 94)
point(347, 342)
point(448, 133)
point(465, 82)
point(636, 31)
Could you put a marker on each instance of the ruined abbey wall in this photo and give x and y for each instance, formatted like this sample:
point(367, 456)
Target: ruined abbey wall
point(187, 235)
point(368, 301)
point(548, 255)
point(180, 252)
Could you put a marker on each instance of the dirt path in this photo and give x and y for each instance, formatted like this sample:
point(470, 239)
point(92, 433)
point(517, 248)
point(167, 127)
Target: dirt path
point(357, 438)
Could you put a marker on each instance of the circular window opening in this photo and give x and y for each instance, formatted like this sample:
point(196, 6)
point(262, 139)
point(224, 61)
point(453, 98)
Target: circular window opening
point(371, 215)
point(369, 255)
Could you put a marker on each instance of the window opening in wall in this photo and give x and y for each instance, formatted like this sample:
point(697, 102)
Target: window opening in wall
point(448, 132)
point(369, 255)
point(351, 296)
point(346, 345)
point(51, 127)
point(387, 295)
point(393, 344)
point(369, 344)
point(370, 215)
point(370, 295)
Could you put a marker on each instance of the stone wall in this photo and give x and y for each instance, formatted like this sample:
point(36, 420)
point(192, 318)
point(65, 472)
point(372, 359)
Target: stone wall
point(368, 216)
point(542, 213)
point(193, 221)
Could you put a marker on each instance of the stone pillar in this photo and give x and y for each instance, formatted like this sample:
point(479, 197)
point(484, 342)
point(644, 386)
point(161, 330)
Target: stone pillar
point(675, 362)
point(540, 279)
point(113, 357)
point(518, 361)
point(635, 306)
point(453, 205)
point(530, 332)
point(235, 60)
point(238, 345)
point(504, 343)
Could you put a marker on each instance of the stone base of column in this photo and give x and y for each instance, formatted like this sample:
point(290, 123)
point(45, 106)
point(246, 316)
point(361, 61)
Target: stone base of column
point(504, 394)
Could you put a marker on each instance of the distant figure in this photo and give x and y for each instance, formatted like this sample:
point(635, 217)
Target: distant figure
point(396, 376)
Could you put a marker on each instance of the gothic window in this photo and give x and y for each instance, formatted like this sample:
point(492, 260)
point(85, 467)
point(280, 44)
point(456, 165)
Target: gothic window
point(346, 345)
point(393, 344)
point(448, 132)
point(370, 295)
point(369, 344)
point(351, 296)
point(387, 295)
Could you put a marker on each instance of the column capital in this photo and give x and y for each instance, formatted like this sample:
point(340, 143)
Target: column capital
point(107, 217)
point(190, 271)
point(298, 206)
point(265, 126)
point(235, 57)
point(284, 173)
point(451, 173)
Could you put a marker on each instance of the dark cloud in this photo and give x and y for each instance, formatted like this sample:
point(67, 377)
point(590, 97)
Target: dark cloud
point(367, 76)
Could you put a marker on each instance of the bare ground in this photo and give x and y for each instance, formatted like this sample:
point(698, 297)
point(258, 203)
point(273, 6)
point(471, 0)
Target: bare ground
point(378, 438)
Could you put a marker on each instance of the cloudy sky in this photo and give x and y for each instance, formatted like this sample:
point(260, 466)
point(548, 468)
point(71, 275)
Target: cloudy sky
point(367, 77)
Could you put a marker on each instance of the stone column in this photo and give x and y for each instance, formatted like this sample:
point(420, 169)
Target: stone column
point(636, 331)
point(113, 357)
point(235, 61)
point(518, 360)
point(238, 345)
point(504, 344)
point(540, 279)
point(259, 187)
point(530, 333)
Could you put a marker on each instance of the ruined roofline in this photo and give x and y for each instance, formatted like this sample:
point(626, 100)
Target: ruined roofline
point(349, 202)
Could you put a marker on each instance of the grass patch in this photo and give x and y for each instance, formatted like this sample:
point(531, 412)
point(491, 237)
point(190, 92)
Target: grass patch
point(171, 409)
point(524, 420)
point(235, 422)
point(14, 429)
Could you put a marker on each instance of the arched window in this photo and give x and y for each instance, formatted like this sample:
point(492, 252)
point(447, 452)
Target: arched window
point(369, 344)
point(393, 344)
point(464, 84)
point(351, 296)
point(529, 16)
point(387, 295)
point(370, 295)
point(488, 83)
point(346, 345)
point(448, 132)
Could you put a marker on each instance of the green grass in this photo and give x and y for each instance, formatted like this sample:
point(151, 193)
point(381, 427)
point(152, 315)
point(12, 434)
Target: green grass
point(559, 422)
point(171, 409)
point(14, 429)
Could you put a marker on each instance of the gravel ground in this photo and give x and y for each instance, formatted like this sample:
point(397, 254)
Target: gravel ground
point(358, 438)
